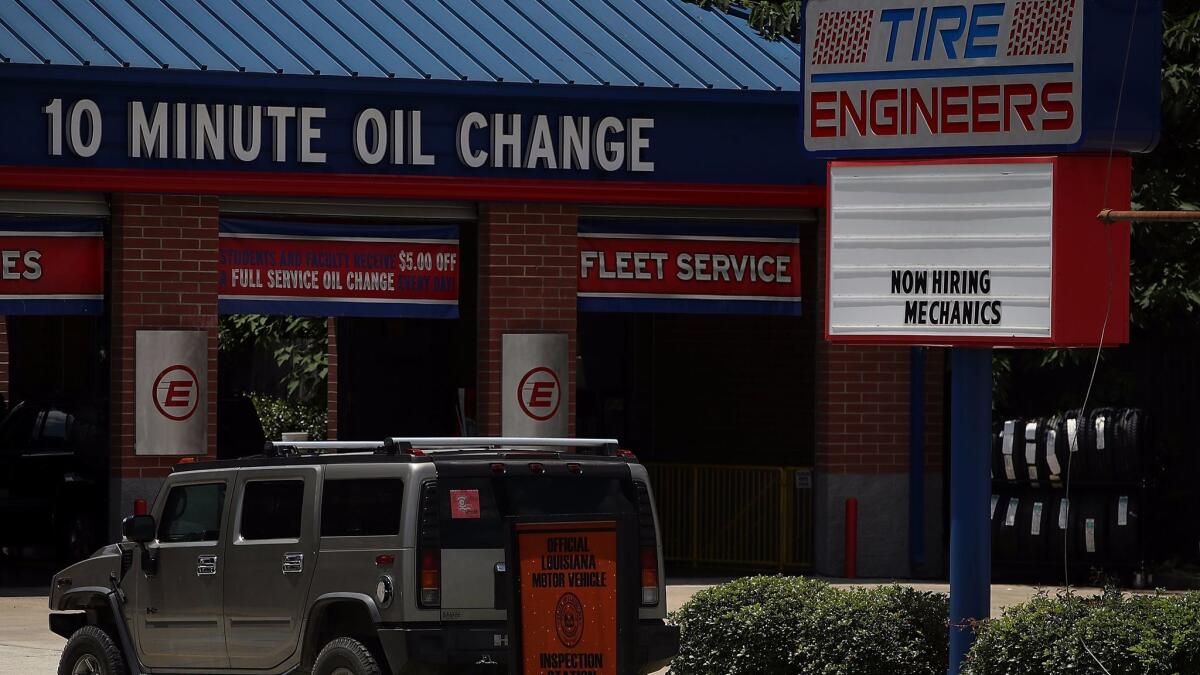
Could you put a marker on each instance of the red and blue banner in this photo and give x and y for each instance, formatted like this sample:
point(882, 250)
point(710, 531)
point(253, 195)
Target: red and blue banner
point(51, 267)
point(697, 268)
point(317, 269)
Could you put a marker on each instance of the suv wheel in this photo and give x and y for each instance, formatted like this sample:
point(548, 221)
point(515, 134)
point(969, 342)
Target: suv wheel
point(90, 651)
point(345, 656)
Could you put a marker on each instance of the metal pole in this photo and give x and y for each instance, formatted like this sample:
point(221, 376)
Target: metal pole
point(916, 457)
point(970, 476)
point(1110, 216)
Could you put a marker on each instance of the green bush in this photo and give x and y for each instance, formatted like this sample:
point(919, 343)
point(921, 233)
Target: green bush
point(784, 625)
point(279, 415)
point(1142, 634)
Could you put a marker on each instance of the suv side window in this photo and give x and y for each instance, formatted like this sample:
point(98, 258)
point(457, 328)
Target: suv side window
point(272, 509)
point(192, 513)
point(361, 507)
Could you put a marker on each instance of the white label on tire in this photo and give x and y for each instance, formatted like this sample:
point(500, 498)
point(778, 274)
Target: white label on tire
point(1051, 455)
point(1009, 429)
point(1035, 525)
point(1100, 432)
point(1089, 534)
point(995, 500)
point(1072, 436)
point(1031, 450)
point(1064, 508)
point(1010, 517)
point(1123, 511)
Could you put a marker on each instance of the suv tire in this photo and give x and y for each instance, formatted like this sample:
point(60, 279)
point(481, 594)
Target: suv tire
point(90, 651)
point(344, 656)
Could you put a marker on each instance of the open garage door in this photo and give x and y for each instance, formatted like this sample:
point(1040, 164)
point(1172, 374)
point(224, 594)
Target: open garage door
point(53, 381)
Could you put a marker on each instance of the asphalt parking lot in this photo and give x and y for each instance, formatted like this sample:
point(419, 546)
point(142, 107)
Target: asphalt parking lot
point(27, 647)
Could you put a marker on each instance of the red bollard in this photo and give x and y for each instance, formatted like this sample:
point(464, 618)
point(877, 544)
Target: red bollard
point(851, 571)
point(139, 507)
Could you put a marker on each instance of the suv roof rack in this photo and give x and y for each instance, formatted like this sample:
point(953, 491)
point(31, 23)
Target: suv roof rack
point(291, 448)
point(395, 444)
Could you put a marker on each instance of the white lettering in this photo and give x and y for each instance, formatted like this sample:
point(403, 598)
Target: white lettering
point(509, 139)
point(208, 131)
point(471, 158)
point(610, 155)
point(416, 157)
point(307, 132)
point(242, 150)
point(279, 116)
point(573, 134)
point(541, 145)
point(147, 137)
point(370, 121)
point(79, 109)
point(637, 144)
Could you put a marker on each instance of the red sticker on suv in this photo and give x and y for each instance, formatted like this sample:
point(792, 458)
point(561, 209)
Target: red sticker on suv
point(464, 504)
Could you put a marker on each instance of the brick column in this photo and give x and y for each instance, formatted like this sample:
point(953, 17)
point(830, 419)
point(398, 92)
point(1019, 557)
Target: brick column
point(528, 270)
point(862, 451)
point(163, 271)
point(331, 383)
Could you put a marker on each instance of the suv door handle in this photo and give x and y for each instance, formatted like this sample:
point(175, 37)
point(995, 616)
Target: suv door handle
point(293, 563)
point(206, 565)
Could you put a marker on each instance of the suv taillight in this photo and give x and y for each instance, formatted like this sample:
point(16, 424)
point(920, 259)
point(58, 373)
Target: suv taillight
point(429, 590)
point(648, 544)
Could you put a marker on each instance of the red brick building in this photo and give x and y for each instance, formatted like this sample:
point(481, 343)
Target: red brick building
point(594, 176)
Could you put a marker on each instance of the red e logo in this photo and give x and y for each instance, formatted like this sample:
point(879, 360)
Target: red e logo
point(539, 394)
point(176, 393)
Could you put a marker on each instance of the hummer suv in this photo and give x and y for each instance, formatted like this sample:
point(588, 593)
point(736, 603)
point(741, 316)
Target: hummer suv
point(395, 557)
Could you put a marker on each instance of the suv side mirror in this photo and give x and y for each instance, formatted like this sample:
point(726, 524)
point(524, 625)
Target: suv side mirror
point(139, 529)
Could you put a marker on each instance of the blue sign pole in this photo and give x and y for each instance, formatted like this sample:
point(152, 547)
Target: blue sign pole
point(970, 490)
point(916, 457)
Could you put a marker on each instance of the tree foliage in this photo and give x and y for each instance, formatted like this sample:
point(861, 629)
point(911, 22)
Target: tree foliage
point(297, 343)
point(775, 19)
point(1165, 275)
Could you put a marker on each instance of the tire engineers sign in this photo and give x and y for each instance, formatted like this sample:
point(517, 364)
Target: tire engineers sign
point(172, 385)
point(568, 596)
point(884, 74)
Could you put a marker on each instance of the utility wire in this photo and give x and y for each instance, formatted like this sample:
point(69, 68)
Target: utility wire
point(1081, 416)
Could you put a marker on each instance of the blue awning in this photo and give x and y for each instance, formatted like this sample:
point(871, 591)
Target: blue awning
point(626, 43)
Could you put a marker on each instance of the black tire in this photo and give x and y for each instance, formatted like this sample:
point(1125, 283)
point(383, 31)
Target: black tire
point(90, 651)
point(346, 653)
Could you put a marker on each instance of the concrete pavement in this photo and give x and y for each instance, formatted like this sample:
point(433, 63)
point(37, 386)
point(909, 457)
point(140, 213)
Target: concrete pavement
point(27, 647)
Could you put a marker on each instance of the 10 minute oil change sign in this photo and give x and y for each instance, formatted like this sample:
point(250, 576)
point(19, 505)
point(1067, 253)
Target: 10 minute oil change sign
point(568, 595)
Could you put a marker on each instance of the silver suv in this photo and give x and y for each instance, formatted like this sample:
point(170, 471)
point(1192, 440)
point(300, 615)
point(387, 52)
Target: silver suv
point(403, 556)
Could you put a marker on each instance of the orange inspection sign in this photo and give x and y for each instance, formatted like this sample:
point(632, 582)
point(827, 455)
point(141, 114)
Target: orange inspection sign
point(568, 596)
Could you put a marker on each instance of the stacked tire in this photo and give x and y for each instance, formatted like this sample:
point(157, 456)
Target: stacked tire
point(1103, 451)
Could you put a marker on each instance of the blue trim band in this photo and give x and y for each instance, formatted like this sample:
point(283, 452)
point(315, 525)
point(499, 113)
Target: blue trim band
point(652, 228)
point(398, 232)
point(931, 73)
point(689, 306)
point(40, 307)
point(34, 225)
point(319, 308)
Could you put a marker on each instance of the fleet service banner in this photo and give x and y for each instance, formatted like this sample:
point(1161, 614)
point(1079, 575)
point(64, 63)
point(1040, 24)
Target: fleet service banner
point(707, 268)
point(568, 596)
point(51, 267)
point(309, 269)
point(884, 74)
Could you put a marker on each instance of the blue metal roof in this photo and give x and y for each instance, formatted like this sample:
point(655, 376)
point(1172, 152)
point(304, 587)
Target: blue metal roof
point(650, 43)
